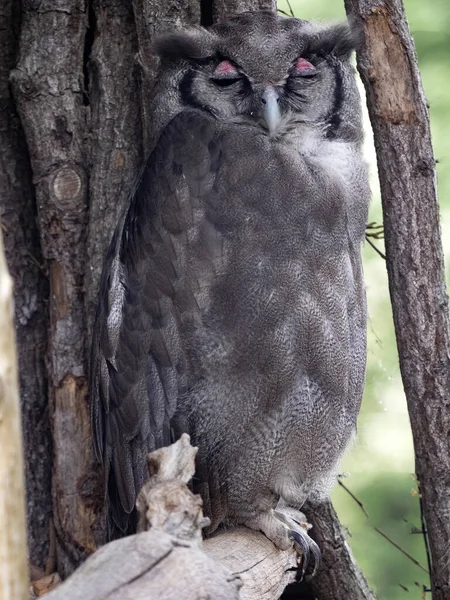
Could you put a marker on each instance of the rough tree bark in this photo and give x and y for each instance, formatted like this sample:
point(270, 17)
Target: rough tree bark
point(340, 577)
point(48, 88)
point(13, 543)
point(400, 120)
point(27, 268)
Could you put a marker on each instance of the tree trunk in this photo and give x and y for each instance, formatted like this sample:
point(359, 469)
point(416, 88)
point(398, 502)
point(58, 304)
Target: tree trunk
point(28, 270)
point(400, 120)
point(48, 88)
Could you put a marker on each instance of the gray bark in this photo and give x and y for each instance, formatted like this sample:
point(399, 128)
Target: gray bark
point(47, 84)
point(115, 130)
point(221, 9)
point(400, 120)
point(340, 577)
point(28, 269)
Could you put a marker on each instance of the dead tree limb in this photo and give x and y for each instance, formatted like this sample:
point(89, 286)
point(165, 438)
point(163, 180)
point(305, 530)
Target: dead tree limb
point(398, 110)
point(13, 543)
point(167, 558)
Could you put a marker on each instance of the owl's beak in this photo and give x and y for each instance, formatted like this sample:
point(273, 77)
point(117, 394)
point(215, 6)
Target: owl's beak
point(271, 110)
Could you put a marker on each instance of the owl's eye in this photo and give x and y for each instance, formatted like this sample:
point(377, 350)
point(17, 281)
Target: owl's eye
point(226, 74)
point(304, 68)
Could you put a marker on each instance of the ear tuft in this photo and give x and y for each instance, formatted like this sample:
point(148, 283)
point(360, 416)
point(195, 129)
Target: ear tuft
point(195, 43)
point(340, 39)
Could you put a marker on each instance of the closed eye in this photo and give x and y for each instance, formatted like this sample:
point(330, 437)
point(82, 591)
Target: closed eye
point(303, 68)
point(227, 81)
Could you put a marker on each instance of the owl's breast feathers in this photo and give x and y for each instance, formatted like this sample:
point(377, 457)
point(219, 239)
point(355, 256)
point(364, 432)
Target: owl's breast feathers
point(234, 250)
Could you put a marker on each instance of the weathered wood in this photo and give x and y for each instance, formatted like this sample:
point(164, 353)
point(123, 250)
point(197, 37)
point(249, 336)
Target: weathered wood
point(170, 560)
point(263, 570)
point(26, 266)
point(398, 111)
point(13, 544)
point(47, 85)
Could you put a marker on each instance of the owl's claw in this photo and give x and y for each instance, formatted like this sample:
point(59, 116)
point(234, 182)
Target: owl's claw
point(294, 521)
point(306, 546)
point(286, 526)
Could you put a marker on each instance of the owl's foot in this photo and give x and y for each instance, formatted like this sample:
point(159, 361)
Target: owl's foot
point(285, 527)
point(297, 527)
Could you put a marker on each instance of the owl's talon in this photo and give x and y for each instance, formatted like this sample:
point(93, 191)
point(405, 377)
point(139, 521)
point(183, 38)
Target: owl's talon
point(297, 530)
point(306, 546)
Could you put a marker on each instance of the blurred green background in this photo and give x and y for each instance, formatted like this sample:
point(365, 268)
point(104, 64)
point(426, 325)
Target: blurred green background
point(380, 466)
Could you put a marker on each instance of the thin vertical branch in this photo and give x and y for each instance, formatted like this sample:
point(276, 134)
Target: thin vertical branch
point(398, 111)
point(13, 549)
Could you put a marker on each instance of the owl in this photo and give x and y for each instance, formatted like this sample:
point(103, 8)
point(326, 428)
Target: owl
point(232, 303)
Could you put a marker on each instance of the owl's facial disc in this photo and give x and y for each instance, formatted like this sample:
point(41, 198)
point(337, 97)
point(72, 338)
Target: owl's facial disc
point(261, 70)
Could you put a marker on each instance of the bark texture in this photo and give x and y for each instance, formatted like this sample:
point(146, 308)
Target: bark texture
point(340, 577)
point(400, 120)
point(48, 88)
point(28, 270)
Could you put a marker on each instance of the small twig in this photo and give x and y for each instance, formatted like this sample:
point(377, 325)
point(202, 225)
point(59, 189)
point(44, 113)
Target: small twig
point(424, 531)
point(411, 558)
point(378, 230)
point(383, 256)
point(386, 537)
point(352, 495)
point(290, 8)
point(377, 233)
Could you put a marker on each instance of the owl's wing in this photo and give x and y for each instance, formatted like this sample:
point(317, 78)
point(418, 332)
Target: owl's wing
point(139, 366)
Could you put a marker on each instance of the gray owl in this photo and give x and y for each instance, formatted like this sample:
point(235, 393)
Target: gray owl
point(232, 304)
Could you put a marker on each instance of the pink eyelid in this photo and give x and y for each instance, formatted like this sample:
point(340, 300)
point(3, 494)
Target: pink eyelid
point(304, 65)
point(225, 67)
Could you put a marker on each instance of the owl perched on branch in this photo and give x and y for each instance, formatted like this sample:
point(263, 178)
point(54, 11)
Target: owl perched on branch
point(232, 302)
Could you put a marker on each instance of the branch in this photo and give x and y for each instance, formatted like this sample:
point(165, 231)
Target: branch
point(340, 577)
point(398, 110)
point(13, 549)
point(167, 557)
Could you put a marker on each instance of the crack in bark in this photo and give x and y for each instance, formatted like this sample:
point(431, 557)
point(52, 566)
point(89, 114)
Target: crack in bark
point(88, 43)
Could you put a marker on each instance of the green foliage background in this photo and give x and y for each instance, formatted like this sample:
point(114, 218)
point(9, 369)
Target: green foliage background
point(380, 467)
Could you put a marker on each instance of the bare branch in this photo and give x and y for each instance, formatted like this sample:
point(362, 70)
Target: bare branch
point(13, 549)
point(398, 110)
point(340, 577)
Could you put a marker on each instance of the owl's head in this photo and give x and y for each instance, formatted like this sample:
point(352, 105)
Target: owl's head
point(261, 69)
